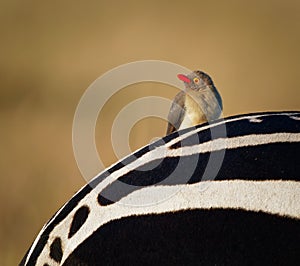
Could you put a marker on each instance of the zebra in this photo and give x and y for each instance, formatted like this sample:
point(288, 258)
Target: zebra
point(249, 213)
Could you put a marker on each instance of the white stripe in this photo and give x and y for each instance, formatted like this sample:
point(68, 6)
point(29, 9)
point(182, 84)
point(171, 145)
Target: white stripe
point(235, 142)
point(274, 197)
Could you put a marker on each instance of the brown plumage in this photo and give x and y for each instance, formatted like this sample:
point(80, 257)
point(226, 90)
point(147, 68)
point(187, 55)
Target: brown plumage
point(199, 103)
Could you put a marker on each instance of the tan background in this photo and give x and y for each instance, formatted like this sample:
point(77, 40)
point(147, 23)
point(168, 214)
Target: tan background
point(51, 51)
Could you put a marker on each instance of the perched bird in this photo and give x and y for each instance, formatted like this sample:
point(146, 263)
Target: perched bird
point(199, 103)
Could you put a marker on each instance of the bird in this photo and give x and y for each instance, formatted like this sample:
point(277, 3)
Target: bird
point(200, 102)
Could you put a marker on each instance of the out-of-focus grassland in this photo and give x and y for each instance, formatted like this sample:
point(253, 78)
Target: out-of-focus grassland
point(51, 51)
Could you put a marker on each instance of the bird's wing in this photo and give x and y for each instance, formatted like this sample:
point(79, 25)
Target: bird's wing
point(176, 113)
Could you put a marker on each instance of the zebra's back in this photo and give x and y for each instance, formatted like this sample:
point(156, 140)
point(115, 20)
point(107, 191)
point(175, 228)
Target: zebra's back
point(221, 194)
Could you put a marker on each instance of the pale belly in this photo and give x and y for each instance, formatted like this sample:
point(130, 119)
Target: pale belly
point(192, 119)
point(193, 116)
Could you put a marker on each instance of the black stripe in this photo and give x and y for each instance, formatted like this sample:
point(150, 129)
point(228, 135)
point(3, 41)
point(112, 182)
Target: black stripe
point(247, 163)
point(270, 124)
point(194, 237)
point(78, 220)
point(56, 252)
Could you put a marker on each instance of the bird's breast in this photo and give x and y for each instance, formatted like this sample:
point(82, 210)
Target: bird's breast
point(193, 114)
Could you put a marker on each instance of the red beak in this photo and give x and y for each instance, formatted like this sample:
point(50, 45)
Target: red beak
point(184, 78)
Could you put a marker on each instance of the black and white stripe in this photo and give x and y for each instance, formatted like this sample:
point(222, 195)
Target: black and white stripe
point(248, 213)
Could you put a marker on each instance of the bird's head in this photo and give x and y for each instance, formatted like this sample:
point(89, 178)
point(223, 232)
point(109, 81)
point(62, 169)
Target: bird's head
point(196, 81)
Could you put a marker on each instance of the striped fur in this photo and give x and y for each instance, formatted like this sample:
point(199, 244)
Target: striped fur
point(246, 212)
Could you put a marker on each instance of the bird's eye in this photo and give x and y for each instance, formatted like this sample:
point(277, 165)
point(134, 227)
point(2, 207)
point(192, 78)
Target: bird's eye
point(196, 80)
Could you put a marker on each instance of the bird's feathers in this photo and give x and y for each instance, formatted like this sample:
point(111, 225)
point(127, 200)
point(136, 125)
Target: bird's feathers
point(176, 113)
point(199, 103)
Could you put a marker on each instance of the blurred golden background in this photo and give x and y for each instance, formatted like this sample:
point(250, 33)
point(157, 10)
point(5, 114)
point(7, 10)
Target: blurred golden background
point(51, 51)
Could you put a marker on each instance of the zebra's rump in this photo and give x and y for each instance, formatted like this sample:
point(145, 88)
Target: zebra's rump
point(225, 193)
